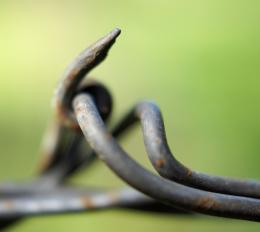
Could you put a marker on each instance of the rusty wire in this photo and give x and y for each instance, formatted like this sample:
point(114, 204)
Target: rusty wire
point(78, 135)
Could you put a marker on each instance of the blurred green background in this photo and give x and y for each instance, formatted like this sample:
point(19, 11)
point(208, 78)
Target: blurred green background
point(199, 60)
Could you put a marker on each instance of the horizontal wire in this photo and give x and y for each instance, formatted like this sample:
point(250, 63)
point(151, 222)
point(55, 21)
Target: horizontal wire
point(63, 200)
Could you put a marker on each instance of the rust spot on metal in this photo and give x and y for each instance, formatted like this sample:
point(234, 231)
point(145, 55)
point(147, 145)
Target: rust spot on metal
point(159, 163)
point(207, 202)
point(189, 173)
point(60, 111)
point(45, 162)
point(79, 109)
point(87, 202)
point(64, 117)
point(8, 204)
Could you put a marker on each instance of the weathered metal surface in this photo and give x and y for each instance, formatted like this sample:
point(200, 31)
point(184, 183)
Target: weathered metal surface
point(76, 71)
point(65, 200)
point(163, 160)
point(108, 150)
point(64, 152)
point(78, 135)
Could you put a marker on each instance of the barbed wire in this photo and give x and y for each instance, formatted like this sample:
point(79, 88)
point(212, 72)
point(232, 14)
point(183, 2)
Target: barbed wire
point(79, 135)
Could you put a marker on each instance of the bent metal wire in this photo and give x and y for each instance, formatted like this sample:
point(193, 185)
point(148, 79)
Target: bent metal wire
point(78, 135)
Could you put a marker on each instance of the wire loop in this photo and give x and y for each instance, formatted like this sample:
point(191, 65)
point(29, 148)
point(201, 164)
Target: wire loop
point(79, 135)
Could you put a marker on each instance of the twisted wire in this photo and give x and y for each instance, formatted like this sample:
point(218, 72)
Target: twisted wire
point(78, 135)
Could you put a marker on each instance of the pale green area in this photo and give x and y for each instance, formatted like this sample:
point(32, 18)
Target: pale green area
point(199, 60)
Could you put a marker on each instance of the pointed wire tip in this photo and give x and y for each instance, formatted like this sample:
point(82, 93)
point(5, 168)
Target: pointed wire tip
point(105, 42)
point(113, 34)
point(116, 31)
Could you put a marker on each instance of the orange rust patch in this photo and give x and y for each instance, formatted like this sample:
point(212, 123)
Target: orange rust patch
point(189, 172)
point(160, 163)
point(64, 117)
point(79, 109)
point(87, 202)
point(8, 204)
point(207, 202)
point(59, 109)
point(44, 163)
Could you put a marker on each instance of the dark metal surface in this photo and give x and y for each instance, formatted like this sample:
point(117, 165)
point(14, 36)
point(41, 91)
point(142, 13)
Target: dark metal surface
point(157, 187)
point(150, 117)
point(79, 134)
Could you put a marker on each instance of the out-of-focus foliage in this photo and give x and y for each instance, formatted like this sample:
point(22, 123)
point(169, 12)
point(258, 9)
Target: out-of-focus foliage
point(199, 60)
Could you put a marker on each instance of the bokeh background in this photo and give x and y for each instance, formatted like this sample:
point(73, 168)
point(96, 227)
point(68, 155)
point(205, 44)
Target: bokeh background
point(198, 59)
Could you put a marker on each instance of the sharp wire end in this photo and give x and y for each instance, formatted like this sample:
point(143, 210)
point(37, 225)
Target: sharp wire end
point(105, 42)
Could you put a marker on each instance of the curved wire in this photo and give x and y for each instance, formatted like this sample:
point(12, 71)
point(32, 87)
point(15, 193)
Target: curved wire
point(71, 83)
point(74, 74)
point(157, 187)
point(66, 152)
point(150, 117)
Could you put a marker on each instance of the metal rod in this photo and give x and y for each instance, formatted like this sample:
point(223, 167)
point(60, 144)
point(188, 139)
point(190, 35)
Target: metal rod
point(163, 160)
point(157, 187)
point(82, 108)
point(62, 200)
